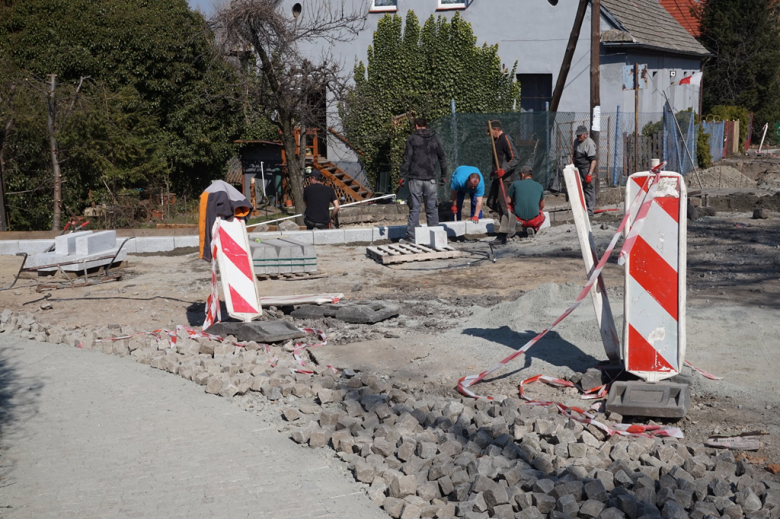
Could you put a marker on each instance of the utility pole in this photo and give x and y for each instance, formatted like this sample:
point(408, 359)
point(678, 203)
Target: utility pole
point(636, 117)
point(567, 57)
point(595, 82)
point(52, 112)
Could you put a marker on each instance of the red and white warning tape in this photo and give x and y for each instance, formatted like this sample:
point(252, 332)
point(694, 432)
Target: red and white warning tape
point(213, 309)
point(467, 381)
point(704, 373)
point(192, 333)
point(582, 416)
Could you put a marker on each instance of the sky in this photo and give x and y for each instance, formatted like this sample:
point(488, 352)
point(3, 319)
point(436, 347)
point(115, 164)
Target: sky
point(207, 6)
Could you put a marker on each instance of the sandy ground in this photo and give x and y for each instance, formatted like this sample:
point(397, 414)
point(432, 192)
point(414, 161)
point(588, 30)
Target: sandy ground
point(460, 316)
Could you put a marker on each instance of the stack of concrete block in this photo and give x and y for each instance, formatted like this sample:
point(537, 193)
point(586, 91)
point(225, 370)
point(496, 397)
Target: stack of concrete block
point(79, 251)
point(433, 237)
point(283, 256)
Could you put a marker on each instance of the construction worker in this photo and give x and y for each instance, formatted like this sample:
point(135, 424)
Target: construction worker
point(418, 170)
point(527, 199)
point(584, 159)
point(504, 160)
point(467, 180)
point(318, 198)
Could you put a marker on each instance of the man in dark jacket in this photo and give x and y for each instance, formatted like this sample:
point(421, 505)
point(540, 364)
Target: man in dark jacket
point(419, 171)
point(503, 171)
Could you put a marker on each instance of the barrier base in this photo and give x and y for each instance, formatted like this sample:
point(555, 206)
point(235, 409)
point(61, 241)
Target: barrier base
point(258, 331)
point(638, 398)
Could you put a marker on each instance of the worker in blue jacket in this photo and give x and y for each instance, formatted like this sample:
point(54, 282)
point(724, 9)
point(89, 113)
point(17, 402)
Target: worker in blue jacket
point(467, 180)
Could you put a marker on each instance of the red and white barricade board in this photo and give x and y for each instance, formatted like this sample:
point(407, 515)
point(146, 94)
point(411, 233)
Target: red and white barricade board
point(239, 283)
point(655, 270)
point(598, 293)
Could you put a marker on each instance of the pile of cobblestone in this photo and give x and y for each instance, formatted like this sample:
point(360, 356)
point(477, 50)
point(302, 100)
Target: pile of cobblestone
point(423, 456)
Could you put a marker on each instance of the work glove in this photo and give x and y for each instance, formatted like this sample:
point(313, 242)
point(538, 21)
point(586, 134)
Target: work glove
point(500, 173)
point(588, 178)
point(442, 181)
point(474, 218)
point(454, 209)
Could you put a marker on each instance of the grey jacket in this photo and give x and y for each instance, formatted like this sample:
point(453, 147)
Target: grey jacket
point(422, 150)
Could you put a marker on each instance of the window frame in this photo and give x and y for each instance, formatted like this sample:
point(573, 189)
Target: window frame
point(383, 8)
point(451, 7)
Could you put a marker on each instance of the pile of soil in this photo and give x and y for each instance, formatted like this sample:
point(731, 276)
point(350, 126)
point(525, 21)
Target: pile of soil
point(721, 176)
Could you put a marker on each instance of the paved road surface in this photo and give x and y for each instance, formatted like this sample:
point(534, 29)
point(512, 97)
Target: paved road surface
point(91, 435)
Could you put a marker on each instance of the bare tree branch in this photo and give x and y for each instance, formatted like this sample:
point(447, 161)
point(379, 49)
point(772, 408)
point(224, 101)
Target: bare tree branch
point(288, 86)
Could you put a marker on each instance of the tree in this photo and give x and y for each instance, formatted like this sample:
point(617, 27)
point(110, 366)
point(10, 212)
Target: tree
point(414, 70)
point(744, 36)
point(152, 68)
point(287, 86)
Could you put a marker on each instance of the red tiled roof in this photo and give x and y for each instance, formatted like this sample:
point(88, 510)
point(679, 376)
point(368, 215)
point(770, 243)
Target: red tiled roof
point(681, 10)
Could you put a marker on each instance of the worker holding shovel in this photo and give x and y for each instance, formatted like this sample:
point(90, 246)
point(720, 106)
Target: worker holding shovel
point(505, 161)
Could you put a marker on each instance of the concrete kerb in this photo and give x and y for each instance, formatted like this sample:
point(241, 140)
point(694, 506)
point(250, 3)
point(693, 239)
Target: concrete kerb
point(151, 244)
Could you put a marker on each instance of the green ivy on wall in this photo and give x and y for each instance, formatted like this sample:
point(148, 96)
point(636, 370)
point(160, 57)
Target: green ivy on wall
point(416, 71)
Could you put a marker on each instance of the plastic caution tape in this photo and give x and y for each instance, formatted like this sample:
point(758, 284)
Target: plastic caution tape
point(704, 373)
point(213, 310)
point(192, 333)
point(467, 381)
point(582, 416)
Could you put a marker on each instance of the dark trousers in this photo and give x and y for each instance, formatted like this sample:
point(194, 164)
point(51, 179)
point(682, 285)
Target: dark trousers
point(461, 198)
point(422, 191)
point(314, 225)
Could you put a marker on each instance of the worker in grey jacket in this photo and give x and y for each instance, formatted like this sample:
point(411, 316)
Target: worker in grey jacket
point(584, 157)
point(418, 169)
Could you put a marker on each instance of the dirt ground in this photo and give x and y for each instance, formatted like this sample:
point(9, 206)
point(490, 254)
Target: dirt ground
point(460, 316)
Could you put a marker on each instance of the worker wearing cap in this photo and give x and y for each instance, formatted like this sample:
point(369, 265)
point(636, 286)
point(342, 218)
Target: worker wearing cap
point(467, 180)
point(584, 159)
point(318, 198)
point(527, 199)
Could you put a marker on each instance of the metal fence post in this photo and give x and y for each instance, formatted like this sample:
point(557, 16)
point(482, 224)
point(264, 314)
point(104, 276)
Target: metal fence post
point(617, 136)
point(547, 145)
point(454, 134)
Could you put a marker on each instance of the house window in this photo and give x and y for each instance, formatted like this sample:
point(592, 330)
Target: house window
point(535, 91)
point(384, 5)
point(451, 4)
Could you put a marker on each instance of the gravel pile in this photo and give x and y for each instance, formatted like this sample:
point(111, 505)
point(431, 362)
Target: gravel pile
point(720, 176)
point(426, 456)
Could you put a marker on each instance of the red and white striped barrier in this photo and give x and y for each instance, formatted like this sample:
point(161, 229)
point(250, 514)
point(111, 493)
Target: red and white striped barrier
point(598, 293)
point(654, 255)
point(468, 381)
point(239, 282)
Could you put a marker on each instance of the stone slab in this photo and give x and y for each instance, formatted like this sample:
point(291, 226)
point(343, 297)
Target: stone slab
point(66, 244)
point(454, 229)
point(186, 241)
point(368, 312)
point(258, 331)
point(306, 237)
point(87, 261)
point(34, 246)
point(9, 247)
point(328, 237)
point(484, 226)
point(638, 398)
point(359, 235)
point(146, 244)
point(92, 243)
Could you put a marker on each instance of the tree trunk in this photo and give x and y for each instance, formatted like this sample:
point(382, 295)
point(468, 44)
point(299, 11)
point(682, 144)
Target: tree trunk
point(3, 212)
point(294, 175)
point(4, 223)
point(57, 216)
